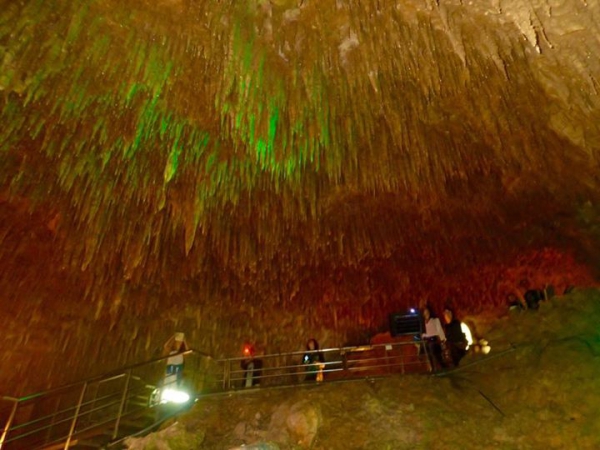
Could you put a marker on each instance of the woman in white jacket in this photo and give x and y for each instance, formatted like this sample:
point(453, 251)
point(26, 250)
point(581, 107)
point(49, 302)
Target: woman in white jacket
point(435, 337)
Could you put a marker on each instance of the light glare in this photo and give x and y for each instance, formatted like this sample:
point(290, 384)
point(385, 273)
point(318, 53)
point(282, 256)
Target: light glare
point(465, 329)
point(174, 396)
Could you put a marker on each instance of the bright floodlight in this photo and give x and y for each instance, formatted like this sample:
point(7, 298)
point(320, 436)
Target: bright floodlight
point(465, 329)
point(174, 396)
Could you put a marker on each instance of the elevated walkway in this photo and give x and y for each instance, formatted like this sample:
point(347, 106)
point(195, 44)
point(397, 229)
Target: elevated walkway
point(101, 412)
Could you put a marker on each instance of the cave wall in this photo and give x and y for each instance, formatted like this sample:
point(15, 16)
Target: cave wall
point(55, 335)
point(274, 170)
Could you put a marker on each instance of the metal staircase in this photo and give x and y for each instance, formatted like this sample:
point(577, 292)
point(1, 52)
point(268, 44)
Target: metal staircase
point(101, 412)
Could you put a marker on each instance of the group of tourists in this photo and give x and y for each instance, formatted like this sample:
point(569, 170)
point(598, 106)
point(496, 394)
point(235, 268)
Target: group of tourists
point(447, 342)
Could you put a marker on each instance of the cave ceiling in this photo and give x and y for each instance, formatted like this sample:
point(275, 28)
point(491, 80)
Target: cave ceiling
point(251, 144)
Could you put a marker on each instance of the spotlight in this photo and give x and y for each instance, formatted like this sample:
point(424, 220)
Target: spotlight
point(412, 310)
point(485, 346)
point(174, 396)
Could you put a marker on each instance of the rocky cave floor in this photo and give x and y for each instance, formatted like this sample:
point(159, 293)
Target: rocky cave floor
point(538, 388)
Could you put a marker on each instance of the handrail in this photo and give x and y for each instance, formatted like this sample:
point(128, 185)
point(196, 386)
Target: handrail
point(349, 360)
point(113, 374)
point(72, 408)
point(61, 426)
point(9, 421)
point(341, 350)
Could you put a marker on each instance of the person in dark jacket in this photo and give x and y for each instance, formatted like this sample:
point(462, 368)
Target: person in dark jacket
point(456, 340)
point(314, 361)
point(532, 297)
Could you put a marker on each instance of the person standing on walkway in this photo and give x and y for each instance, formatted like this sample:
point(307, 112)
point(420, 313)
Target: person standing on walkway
point(456, 338)
point(434, 337)
point(175, 347)
point(314, 361)
point(251, 366)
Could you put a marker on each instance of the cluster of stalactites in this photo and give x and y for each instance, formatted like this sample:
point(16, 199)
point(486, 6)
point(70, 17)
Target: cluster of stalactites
point(225, 128)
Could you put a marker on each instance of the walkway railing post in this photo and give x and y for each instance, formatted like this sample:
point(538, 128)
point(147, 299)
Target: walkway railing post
point(56, 407)
point(226, 375)
point(76, 416)
point(401, 350)
point(9, 422)
point(122, 404)
point(427, 356)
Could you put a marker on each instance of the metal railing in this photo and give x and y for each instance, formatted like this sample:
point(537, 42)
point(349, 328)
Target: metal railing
point(99, 406)
point(339, 363)
point(59, 417)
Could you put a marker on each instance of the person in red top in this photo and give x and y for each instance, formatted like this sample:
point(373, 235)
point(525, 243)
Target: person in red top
point(251, 366)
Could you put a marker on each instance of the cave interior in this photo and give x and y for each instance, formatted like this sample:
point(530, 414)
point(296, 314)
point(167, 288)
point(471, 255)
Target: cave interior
point(267, 171)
